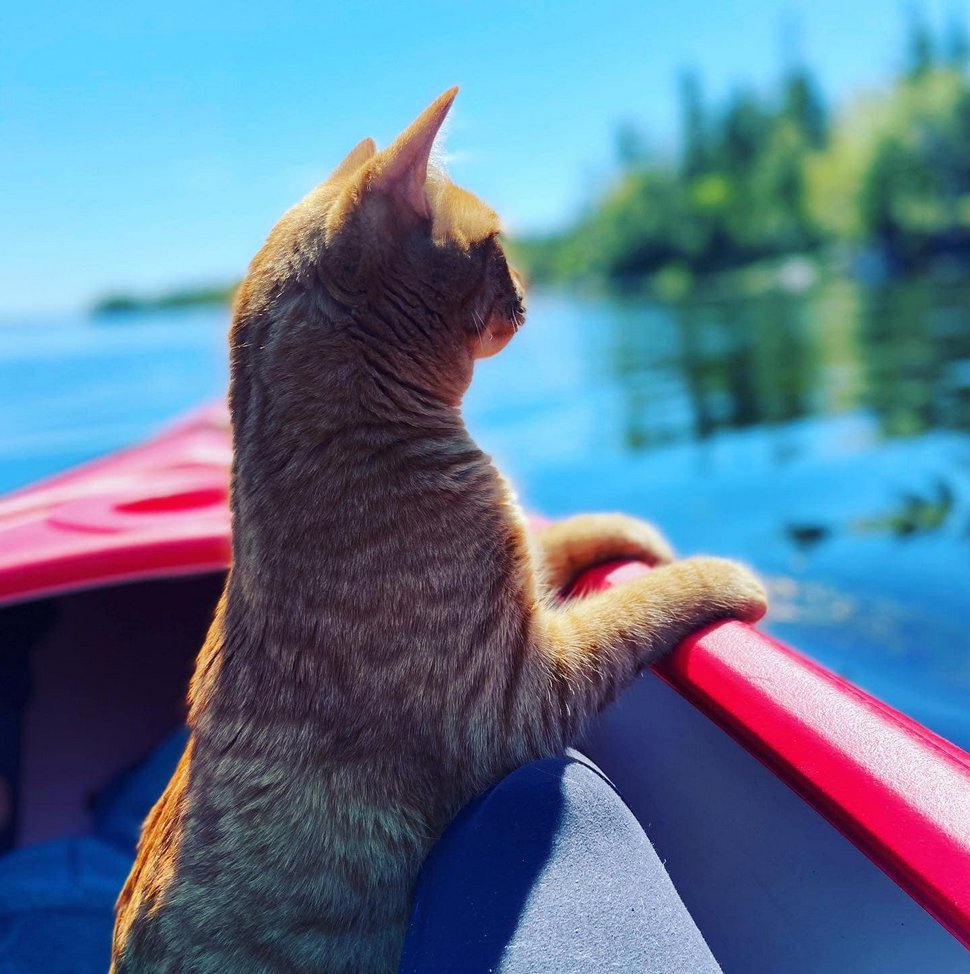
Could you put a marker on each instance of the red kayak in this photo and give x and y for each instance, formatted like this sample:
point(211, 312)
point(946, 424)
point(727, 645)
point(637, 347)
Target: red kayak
point(807, 825)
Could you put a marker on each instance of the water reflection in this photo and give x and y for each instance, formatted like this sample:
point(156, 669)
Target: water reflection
point(917, 342)
point(900, 352)
point(913, 514)
point(735, 363)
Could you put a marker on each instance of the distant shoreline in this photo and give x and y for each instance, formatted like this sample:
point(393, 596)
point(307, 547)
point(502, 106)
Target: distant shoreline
point(124, 304)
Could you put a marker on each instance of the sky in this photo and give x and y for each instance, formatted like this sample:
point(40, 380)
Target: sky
point(149, 146)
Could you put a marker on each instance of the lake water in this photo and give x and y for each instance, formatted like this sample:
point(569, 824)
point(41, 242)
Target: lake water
point(821, 436)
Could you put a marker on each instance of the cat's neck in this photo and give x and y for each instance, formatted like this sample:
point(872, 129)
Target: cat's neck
point(305, 480)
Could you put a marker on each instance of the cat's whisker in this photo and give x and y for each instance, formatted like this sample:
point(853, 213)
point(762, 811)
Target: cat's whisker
point(479, 322)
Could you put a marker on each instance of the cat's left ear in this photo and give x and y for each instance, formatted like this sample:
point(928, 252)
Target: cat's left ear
point(354, 159)
point(403, 168)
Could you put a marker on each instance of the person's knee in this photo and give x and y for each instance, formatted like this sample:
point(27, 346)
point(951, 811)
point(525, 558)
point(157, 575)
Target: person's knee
point(567, 799)
point(532, 786)
point(549, 871)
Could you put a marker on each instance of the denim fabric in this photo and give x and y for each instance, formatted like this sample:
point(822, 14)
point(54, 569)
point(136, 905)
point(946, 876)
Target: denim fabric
point(57, 906)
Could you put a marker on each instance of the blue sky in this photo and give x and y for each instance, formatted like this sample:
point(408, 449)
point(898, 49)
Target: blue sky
point(150, 145)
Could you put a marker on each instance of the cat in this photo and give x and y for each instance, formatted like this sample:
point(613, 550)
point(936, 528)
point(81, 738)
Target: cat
point(387, 644)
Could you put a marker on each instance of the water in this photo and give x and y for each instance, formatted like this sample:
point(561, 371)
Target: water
point(822, 436)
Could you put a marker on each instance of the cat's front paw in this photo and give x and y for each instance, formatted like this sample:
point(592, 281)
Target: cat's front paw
point(595, 538)
point(728, 589)
point(584, 541)
point(629, 537)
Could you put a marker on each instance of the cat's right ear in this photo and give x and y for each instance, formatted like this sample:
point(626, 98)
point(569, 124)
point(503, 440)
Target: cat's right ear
point(354, 159)
point(403, 165)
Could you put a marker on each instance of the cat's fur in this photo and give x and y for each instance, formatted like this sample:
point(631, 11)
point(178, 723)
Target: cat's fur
point(385, 648)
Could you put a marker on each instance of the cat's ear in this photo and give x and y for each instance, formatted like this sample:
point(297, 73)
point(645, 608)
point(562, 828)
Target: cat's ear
point(354, 159)
point(404, 163)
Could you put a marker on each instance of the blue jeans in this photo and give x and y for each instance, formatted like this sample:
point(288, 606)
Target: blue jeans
point(550, 873)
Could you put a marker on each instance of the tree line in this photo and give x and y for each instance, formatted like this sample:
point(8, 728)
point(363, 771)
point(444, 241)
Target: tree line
point(760, 176)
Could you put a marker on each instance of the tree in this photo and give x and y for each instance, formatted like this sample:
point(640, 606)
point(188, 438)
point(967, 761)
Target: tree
point(802, 105)
point(920, 54)
point(765, 175)
point(695, 137)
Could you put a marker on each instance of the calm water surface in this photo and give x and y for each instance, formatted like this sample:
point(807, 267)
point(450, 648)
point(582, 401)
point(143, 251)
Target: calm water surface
point(824, 437)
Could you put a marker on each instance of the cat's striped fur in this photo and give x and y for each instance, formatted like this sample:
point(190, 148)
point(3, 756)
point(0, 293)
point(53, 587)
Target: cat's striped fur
point(385, 648)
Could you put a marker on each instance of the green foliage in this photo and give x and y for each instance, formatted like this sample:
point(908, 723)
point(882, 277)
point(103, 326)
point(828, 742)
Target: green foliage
point(121, 304)
point(761, 177)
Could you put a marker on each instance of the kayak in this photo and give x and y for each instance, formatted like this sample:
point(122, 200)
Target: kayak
point(807, 825)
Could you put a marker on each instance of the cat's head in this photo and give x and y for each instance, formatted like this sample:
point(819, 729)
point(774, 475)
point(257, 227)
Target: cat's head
point(398, 255)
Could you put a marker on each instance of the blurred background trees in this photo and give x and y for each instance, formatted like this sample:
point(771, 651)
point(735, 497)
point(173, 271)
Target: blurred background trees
point(883, 181)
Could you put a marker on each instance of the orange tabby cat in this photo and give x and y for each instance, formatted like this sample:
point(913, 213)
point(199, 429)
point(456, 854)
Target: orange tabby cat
point(385, 648)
